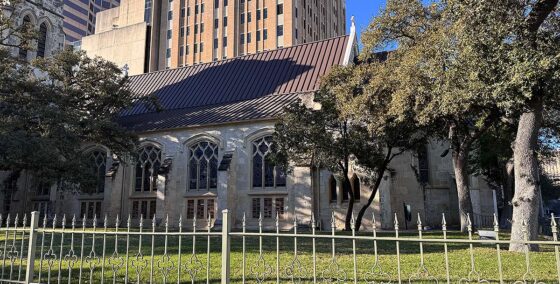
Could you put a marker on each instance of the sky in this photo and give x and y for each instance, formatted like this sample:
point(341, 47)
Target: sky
point(363, 11)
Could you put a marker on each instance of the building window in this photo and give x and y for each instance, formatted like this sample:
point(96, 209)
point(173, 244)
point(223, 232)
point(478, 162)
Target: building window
point(147, 166)
point(26, 25)
point(203, 166)
point(201, 208)
point(267, 208)
point(145, 208)
point(42, 40)
point(242, 39)
point(332, 189)
point(270, 207)
point(265, 13)
point(279, 205)
point(423, 165)
point(265, 34)
point(224, 41)
point(249, 18)
point(356, 187)
point(201, 27)
point(280, 9)
point(201, 47)
point(248, 37)
point(242, 18)
point(216, 23)
point(265, 173)
point(256, 206)
point(97, 160)
point(90, 209)
point(280, 30)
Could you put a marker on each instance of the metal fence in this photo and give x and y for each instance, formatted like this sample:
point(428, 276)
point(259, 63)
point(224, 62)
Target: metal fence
point(80, 251)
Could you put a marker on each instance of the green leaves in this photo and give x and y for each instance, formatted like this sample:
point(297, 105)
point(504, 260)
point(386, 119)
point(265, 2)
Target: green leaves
point(52, 108)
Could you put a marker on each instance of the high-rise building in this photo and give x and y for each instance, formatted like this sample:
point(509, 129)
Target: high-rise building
point(202, 31)
point(79, 17)
point(152, 35)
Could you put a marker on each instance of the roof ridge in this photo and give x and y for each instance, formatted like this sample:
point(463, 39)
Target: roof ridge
point(239, 56)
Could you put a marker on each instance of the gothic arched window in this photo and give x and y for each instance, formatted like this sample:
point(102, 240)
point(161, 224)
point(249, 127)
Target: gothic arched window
point(203, 166)
point(265, 173)
point(98, 164)
point(332, 189)
point(356, 187)
point(423, 165)
point(149, 161)
point(42, 40)
point(26, 25)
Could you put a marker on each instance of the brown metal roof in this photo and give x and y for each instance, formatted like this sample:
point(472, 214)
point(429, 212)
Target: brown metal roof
point(255, 86)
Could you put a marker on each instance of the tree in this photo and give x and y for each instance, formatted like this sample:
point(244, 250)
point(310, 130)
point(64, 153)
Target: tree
point(493, 160)
point(349, 122)
point(319, 137)
point(363, 95)
point(53, 107)
point(432, 71)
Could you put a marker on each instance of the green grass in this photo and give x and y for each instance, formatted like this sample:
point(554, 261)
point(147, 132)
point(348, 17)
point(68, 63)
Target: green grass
point(543, 263)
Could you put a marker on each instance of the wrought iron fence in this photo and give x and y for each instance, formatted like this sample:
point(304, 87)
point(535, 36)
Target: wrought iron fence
point(81, 251)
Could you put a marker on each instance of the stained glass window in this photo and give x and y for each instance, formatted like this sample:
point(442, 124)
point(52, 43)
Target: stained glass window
point(265, 172)
point(203, 166)
point(149, 161)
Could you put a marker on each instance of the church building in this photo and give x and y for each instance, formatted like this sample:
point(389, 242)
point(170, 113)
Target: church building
point(207, 151)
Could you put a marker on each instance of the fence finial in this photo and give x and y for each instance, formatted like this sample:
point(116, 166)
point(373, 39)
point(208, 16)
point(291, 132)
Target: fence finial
point(141, 222)
point(553, 220)
point(244, 220)
point(128, 221)
point(443, 221)
point(154, 221)
point(44, 221)
point(180, 221)
point(419, 221)
point(333, 220)
point(63, 221)
point(105, 221)
point(312, 220)
point(74, 221)
point(24, 219)
point(396, 222)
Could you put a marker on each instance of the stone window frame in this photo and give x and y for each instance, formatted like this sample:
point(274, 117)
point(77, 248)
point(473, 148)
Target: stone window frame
point(105, 151)
point(248, 145)
point(195, 140)
point(192, 206)
point(154, 184)
point(357, 195)
point(258, 208)
point(333, 198)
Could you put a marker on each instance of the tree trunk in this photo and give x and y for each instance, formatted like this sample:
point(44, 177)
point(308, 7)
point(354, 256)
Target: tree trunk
point(525, 200)
point(460, 167)
point(507, 211)
point(372, 195)
point(347, 187)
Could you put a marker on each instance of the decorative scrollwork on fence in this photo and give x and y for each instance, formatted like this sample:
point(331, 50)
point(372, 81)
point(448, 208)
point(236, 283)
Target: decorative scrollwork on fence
point(295, 270)
point(528, 276)
point(261, 269)
point(422, 272)
point(376, 275)
point(473, 275)
point(333, 273)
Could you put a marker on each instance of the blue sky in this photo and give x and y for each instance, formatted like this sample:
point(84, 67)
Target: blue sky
point(363, 11)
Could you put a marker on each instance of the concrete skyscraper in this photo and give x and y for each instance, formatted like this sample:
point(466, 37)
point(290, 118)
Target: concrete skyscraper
point(79, 17)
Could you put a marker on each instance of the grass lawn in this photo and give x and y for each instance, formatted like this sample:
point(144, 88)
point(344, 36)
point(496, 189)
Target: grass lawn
point(543, 263)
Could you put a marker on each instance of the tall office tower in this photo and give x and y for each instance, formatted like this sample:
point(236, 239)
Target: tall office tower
point(207, 30)
point(79, 17)
point(150, 35)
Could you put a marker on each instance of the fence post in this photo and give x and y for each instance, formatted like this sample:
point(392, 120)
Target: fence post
point(32, 246)
point(226, 239)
